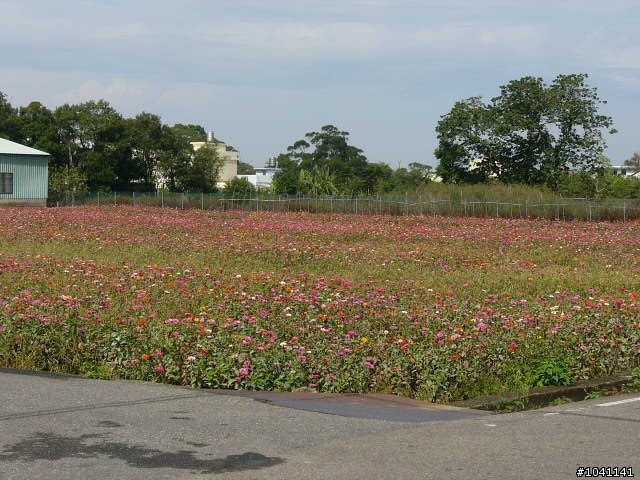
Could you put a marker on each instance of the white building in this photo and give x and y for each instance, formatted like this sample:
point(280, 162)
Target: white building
point(625, 171)
point(228, 154)
point(263, 178)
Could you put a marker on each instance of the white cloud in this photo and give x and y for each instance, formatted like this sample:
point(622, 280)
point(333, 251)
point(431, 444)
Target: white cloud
point(624, 58)
point(627, 82)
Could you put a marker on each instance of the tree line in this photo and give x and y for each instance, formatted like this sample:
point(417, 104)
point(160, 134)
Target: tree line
point(543, 135)
point(93, 147)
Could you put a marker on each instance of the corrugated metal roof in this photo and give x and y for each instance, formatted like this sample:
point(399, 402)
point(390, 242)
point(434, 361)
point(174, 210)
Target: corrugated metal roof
point(13, 148)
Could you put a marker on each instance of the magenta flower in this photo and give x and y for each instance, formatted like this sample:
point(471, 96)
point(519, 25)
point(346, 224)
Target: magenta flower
point(160, 369)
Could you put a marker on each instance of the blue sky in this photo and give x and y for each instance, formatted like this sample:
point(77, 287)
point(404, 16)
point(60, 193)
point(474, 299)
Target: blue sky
point(261, 74)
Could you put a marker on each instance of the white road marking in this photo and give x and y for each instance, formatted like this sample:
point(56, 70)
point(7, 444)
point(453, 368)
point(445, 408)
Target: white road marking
point(551, 413)
point(619, 402)
point(490, 424)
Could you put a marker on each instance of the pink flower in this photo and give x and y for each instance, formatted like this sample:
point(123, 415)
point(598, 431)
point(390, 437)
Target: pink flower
point(191, 358)
point(160, 369)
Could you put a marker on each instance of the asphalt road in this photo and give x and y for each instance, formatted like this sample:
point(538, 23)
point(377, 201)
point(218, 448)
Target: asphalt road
point(62, 427)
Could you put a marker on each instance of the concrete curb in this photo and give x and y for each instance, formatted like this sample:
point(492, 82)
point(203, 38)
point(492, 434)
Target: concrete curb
point(542, 396)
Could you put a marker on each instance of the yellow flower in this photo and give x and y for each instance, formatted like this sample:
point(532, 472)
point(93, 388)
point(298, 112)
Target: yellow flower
point(364, 340)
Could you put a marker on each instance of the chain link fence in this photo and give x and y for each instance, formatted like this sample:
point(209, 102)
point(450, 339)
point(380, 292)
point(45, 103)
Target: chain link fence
point(456, 206)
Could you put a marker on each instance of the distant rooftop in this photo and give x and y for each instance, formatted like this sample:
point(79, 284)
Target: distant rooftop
point(13, 148)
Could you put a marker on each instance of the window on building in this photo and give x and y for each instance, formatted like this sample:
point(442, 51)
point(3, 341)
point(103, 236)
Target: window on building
point(6, 183)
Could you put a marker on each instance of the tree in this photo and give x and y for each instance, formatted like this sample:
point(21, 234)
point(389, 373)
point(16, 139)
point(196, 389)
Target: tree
point(245, 168)
point(238, 186)
point(37, 128)
point(146, 135)
point(203, 172)
point(65, 181)
point(174, 162)
point(93, 135)
point(8, 119)
point(192, 133)
point(317, 181)
point(327, 150)
point(633, 161)
point(287, 180)
point(531, 133)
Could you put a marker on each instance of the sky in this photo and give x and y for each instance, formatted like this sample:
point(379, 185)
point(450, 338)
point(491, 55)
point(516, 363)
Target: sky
point(262, 73)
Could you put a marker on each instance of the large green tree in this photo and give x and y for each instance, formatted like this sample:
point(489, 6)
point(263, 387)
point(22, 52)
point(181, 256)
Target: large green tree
point(94, 137)
point(201, 175)
point(146, 135)
point(324, 154)
point(531, 133)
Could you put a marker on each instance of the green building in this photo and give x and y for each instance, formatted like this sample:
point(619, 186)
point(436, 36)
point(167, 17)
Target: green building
point(24, 174)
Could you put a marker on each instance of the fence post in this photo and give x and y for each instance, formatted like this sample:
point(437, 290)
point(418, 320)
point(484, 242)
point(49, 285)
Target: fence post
point(115, 201)
point(162, 199)
point(526, 209)
point(624, 211)
point(98, 198)
point(182, 200)
point(202, 200)
point(134, 199)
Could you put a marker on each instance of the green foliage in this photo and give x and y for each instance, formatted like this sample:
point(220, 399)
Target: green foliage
point(65, 181)
point(189, 132)
point(238, 186)
point(634, 382)
point(99, 371)
point(633, 161)
point(109, 152)
point(203, 172)
point(245, 168)
point(330, 163)
point(317, 181)
point(560, 401)
point(287, 180)
point(531, 133)
point(8, 119)
point(510, 406)
point(550, 371)
point(592, 395)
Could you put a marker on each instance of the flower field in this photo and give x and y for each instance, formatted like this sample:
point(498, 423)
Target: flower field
point(434, 308)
